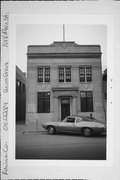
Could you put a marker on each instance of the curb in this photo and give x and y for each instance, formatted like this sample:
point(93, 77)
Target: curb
point(31, 132)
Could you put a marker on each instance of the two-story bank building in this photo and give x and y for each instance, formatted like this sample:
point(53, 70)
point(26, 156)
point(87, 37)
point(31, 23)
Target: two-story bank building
point(63, 79)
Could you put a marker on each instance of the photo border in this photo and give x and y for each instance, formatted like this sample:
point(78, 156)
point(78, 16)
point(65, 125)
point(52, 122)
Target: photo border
point(19, 168)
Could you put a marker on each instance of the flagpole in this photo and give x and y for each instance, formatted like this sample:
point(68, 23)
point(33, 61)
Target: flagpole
point(63, 32)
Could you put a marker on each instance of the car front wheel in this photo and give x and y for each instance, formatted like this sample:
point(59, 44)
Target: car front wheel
point(87, 132)
point(51, 130)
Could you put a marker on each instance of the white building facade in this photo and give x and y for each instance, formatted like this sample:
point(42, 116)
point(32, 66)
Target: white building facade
point(63, 79)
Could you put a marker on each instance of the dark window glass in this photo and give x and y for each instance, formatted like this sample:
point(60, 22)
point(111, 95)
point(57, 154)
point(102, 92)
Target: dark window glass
point(43, 102)
point(61, 74)
point(68, 74)
point(40, 103)
point(47, 74)
point(86, 101)
point(82, 74)
point(89, 101)
point(83, 103)
point(40, 74)
point(88, 74)
point(70, 120)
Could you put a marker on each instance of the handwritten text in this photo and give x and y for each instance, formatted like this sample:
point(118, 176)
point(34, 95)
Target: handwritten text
point(5, 30)
point(5, 159)
point(5, 76)
point(5, 116)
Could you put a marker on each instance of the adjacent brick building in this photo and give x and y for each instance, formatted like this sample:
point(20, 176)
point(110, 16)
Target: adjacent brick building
point(63, 78)
point(20, 95)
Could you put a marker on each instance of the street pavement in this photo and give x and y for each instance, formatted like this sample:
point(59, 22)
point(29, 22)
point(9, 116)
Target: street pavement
point(38, 144)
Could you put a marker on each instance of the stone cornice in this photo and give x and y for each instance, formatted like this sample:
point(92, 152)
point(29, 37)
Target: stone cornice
point(64, 88)
point(65, 91)
point(63, 55)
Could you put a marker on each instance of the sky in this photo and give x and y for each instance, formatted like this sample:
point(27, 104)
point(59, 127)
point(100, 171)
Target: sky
point(47, 34)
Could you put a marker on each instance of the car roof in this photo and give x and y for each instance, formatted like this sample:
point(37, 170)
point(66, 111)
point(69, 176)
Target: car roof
point(78, 116)
point(84, 117)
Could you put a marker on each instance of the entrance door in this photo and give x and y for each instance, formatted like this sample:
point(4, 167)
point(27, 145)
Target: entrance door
point(65, 107)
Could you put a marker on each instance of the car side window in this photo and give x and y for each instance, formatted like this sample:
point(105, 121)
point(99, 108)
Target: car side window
point(79, 119)
point(70, 120)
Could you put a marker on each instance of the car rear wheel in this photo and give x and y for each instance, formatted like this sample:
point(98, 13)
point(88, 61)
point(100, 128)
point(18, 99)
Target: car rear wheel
point(51, 130)
point(87, 132)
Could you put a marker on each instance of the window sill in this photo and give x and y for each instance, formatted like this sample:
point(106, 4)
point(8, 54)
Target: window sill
point(43, 82)
point(65, 82)
point(86, 82)
point(43, 112)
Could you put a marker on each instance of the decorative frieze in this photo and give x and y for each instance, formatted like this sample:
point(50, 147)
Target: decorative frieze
point(86, 86)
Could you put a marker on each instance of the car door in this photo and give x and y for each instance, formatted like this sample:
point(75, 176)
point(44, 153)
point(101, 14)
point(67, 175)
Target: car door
point(67, 125)
point(78, 124)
